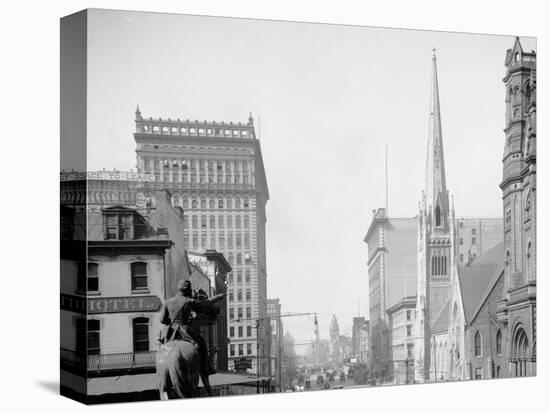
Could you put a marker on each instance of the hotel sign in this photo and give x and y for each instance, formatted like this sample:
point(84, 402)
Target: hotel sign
point(120, 304)
point(107, 176)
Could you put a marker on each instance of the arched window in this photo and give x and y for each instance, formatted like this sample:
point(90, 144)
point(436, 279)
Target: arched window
point(528, 260)
point(528, 206)
point(499, 342)
point(203, 222)
point(220, 222)
point(477, 344)
point(229, 202)
point(140, 327)
point(433, 265)
point(220, 203)
point(437, 216)
point(185, 203)
point(246, 222)
point(203, 203)
point(194, 203)
point(212, 222)
point(139, 275)
point(237, 203)
point(507, 263)
point(211, 203)
point(195, 222)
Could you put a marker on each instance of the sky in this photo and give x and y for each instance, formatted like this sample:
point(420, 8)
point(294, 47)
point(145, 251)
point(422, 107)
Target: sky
point(327, 100)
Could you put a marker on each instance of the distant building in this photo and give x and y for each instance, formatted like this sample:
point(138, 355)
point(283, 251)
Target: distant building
point(476, 236)
point(360, 339)
point(392, 255)
point(402, 319)
point(274, 314)
point(211, 268)
point(289, 360)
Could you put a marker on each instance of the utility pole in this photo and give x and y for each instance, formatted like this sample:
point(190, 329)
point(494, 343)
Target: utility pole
point(258, 322)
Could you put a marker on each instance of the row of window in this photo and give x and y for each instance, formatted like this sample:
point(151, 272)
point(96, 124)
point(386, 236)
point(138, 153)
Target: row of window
point(202, 165)
point(211, 222)
point(200, 178)
point(88, 338)
point(478, 343)
point(138, 277)
point(239, 295)
point(474, 241)
point(212, 203)
point(239, 313)
point(240, 349)
point(240, 331)
point(196, 131)
point(210, 243)
point(238, 277)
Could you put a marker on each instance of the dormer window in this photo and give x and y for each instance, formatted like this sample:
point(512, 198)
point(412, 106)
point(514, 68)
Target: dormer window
point(119, 226)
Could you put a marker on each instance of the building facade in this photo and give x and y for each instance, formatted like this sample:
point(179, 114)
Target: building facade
point(475, 236)
point(437, 250)
point(517, 310)
point(215, 171)
point(360, 340)
point(392, 255)
point(401, 319)
point(274, 315)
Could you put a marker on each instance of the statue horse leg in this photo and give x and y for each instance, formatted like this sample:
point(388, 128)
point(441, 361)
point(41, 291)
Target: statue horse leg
point(184, 370)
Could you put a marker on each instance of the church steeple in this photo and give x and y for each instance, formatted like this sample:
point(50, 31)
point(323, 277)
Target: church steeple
point(436, 197)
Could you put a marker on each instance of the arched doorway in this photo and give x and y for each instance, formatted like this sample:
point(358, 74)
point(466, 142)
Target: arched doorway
point(520, 351)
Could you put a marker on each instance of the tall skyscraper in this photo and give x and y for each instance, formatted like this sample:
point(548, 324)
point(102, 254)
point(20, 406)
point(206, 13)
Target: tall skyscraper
point(215, 172)
point(436, 239)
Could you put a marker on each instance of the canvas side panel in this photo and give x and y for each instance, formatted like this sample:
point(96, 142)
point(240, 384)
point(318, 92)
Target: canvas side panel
point(73, 360)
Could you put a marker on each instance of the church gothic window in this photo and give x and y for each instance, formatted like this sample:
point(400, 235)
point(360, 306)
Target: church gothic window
point(437, 216)
point(477, 344)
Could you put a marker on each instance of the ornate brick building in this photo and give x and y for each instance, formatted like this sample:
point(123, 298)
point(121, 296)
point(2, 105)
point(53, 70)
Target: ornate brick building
point(215, 172)
point(517, 310)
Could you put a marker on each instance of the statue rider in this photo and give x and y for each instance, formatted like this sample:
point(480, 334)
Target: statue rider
point(178, 314)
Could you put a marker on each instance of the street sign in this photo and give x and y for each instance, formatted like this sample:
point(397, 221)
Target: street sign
point(242, 364)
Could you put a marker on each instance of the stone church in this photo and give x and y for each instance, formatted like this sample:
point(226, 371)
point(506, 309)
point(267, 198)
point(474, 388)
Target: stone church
point(478, 320)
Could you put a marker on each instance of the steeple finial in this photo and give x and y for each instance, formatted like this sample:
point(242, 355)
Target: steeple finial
point(437, 199)
point(138, 113)
point(250, 120)
point(433, 52)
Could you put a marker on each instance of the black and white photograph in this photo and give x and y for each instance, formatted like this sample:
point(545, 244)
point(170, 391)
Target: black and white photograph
point(254, 207)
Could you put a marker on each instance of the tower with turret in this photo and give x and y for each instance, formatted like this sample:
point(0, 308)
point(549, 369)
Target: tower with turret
point(517, 310)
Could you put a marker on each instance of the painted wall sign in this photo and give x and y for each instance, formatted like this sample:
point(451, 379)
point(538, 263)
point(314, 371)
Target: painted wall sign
point(107, 175)
point(110, 304)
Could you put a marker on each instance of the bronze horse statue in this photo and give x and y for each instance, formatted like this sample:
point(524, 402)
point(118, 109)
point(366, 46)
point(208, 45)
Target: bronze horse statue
point(178, 360)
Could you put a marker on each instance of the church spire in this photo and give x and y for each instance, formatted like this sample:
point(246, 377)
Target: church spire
point(436, 188)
